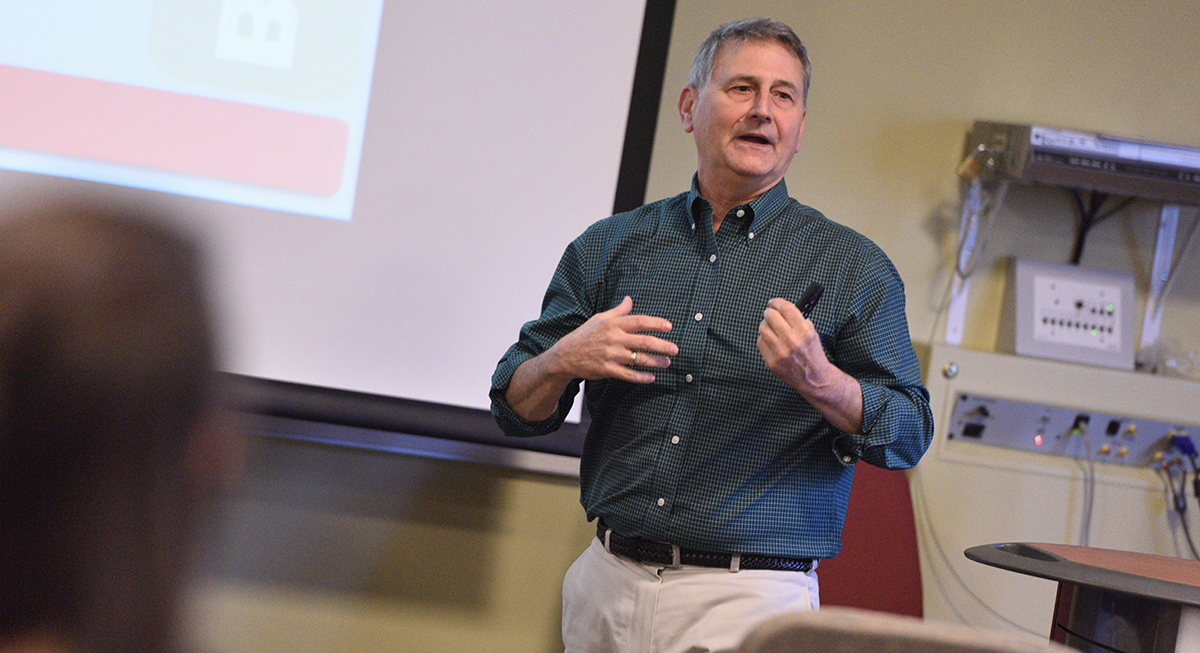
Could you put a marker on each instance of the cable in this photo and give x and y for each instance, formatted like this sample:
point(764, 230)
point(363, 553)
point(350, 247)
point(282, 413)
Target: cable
point(1195, 479)
point(969, 248)
point(1090, 216)
point(971, 209)
point(989, 207)
point(1089, 496)
point(1179, 498)
point(1122, 204)
point(1187, 533)
point(1182, 501)
point(927, 521)
point(1083, 223)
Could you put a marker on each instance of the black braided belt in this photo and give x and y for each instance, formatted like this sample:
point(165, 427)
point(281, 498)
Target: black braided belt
point(669, 555)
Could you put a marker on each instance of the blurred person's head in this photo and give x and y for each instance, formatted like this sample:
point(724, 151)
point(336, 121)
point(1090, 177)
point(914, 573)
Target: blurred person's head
point(112, 441)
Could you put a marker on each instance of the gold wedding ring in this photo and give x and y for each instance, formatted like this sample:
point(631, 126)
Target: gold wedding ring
point(633, 358)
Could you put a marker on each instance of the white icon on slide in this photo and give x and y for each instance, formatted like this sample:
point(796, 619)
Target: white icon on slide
point(260, 32)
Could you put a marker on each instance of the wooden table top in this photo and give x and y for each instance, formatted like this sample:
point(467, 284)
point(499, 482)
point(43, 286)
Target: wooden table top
point(1164, 568)
point(1161, 578)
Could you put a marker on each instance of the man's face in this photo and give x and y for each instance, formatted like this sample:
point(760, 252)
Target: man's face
point(749, 117)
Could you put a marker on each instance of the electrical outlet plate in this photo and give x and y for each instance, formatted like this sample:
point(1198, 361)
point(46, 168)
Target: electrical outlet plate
point(1068, 313)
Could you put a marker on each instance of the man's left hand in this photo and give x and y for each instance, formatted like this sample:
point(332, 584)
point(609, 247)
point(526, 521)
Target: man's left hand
point(791, 348)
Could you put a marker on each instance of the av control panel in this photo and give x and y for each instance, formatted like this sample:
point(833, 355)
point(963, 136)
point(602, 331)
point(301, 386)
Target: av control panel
point(1104, 437)
point(1068, 313)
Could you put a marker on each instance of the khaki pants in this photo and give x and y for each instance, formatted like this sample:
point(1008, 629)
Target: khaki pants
point(614, 605)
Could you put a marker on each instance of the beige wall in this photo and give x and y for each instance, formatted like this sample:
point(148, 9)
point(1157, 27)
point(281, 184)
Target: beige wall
point(349, 551)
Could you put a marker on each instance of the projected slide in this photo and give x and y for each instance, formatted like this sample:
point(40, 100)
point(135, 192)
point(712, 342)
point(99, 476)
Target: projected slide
point(223, 99)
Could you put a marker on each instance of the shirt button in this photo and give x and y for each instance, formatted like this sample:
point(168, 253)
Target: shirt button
point(675, 439)
point(751, 236)
point(699, 316)
point(662, 502)
point(688, 378)
point(741, 213)
point(712, 258)
point(846, 459)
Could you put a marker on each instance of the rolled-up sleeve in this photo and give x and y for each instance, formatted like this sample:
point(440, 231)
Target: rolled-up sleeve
point(564, 308)
point(876, 349)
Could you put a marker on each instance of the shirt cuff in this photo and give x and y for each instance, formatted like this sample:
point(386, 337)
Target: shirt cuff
point(507, 418)
point(849, 447)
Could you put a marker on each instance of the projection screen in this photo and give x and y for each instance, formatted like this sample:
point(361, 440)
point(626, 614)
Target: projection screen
point(384, 188)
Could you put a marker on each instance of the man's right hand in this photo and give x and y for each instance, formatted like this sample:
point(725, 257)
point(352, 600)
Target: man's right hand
point(612, 344)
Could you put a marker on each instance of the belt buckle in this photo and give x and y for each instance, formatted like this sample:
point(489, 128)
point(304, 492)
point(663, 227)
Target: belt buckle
point(675, 564)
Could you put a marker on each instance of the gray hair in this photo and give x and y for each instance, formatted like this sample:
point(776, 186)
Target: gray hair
point(762, 29)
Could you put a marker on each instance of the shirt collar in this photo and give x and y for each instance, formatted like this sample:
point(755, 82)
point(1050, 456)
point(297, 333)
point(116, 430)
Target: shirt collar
point(761, 209)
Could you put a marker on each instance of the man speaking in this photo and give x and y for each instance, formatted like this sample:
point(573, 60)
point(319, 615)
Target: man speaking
point(726, 422)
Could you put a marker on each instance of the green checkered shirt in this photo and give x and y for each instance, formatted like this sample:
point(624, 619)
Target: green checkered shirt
point(718, 454)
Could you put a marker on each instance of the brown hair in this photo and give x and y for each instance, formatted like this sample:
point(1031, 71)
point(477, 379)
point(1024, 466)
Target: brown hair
point(107, 357)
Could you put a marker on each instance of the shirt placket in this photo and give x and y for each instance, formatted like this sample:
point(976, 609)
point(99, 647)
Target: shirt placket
point(704, 268)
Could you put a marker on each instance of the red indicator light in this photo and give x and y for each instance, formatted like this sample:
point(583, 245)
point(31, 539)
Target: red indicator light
point(1037, 440)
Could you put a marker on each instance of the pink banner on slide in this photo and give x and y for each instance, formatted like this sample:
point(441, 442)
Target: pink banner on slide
point(74, 116)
